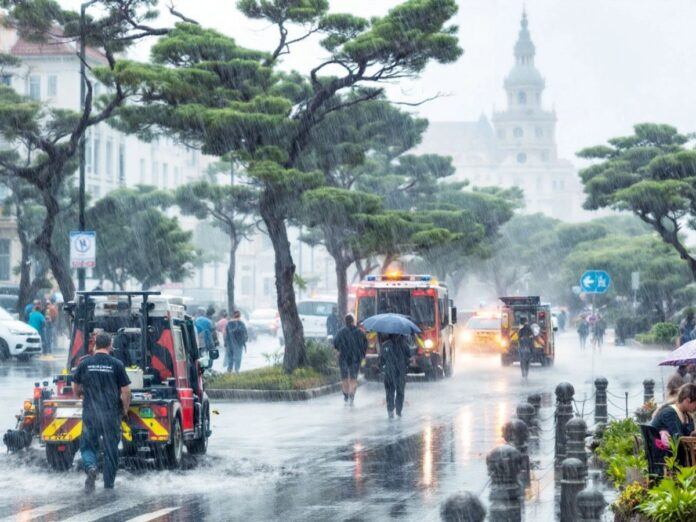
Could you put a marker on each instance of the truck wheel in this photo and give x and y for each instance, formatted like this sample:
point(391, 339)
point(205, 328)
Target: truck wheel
point(505, 360)
point(200, 445)
point(60, 460)
point(4, 350)
point(175, 449)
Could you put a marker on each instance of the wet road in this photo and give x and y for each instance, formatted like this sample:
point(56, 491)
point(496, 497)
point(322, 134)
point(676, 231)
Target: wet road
point(321, 461)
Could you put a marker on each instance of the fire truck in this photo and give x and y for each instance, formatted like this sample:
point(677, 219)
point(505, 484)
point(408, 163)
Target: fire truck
point(423, 300)
point(538, 316)
point(156, 340)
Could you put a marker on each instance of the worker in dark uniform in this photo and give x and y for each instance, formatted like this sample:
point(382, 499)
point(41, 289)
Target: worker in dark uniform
point(351, 344)
point(102, 382)
point(526, 345)
point(394, 356)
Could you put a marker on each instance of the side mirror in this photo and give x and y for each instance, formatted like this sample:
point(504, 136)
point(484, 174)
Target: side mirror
point(213, 353)
point(453, 314)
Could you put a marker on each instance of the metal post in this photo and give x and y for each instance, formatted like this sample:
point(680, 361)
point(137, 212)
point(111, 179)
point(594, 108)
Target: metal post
point(564, 413)
point(590, 503)
point(525, 413)
point(535, 400)
point(648, 390)
point(572, 483)
point(504, 464)
point(601, 385)
point(463, 507)
point(576, 431)
point(626, 393)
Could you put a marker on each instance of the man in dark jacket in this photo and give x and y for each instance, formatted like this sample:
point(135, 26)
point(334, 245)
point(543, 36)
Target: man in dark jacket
point(526, 345)
point(394, 356)
point(351, 344)
point(236, 337)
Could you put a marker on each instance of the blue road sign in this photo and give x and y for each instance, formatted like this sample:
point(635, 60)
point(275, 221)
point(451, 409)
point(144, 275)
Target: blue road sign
point(595, 282)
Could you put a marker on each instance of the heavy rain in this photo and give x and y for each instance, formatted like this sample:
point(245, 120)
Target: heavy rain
point(325, 260)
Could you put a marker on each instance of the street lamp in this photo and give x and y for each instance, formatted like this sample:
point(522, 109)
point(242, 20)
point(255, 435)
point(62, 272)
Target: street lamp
point(83, 94)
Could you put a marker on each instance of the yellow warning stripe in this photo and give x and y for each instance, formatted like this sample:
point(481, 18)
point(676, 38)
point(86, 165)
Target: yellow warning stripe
point(57, 430)
point(155, 427)
point(126, 431)
point(52, 428)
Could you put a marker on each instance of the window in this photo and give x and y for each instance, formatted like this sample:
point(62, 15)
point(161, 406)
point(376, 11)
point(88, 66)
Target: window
point(6, 79)
point(165, 175)
point(538, 183)
point(4, 259)
point(109, 159)
point(35, 87)
point(518, 132)
point(121, 164)
point(561, 184)
point(539, 131)
point(501, 134)
point(521, 157)
point(97, 146)
point(267, 286)
point(155, 173)
point(142, 171)
point(522, 98)
point(246, 285)
point(52, 86)
point(177, 176)
point(544, 155)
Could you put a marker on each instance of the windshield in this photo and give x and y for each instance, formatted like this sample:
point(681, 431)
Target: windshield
point(483, 323)
point(320, 308)
point(420, 309)
point(5, 315)
point(263, 314)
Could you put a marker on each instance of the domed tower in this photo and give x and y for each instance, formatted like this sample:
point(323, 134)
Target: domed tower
point(525, 131)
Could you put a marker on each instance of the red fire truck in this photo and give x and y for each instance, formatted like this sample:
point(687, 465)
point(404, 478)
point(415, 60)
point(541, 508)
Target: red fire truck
point(156, 340)
point(426, 302)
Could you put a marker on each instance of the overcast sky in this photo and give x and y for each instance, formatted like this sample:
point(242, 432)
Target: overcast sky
point(608, 63)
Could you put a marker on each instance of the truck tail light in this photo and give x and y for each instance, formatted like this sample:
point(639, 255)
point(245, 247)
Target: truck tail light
point(161, 411)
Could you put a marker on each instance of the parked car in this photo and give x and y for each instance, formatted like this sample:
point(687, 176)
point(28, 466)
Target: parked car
point(17, 339)
point(264, 321)
point(313, 314)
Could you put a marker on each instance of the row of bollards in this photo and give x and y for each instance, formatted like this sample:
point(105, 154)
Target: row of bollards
point(509, 466)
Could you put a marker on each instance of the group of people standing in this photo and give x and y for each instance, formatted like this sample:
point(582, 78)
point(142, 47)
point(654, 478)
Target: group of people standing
point(232, 330)
point(594, 325)
point(351, 344)
point(44, 317)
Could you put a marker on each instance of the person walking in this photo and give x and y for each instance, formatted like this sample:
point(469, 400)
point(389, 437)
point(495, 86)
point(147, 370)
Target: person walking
point(102, 382)
point(220, 327)
point(236, 337)
point(204, 330)
point(525, 338)
point(394, 356)
point(583, 332)
point(38, 322)
point(351, 344)
point(332, 323)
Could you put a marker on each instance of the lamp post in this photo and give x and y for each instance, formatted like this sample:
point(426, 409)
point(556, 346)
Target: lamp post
point(83, 94)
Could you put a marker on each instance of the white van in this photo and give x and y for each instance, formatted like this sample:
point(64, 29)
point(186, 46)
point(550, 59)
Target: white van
point(313, 314)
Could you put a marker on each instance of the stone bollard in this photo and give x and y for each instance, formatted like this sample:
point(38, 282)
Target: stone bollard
point(516, 433)
point(648, 390)
point(576, 431)
point(535, 400)
point(590, 503)
point(564, 413)
point(600, 411)
point(573, 481)
point(463, 507)
point(525, 412)
point(504, 464)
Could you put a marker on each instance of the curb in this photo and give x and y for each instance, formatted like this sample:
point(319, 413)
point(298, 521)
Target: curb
point(273, 395)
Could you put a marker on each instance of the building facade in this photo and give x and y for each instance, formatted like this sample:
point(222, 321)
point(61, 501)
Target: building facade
point(516, 147)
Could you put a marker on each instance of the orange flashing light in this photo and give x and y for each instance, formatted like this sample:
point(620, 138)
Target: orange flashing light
point(393, 274)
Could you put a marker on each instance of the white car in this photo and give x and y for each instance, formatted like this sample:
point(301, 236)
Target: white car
point(313, 314)
point(264, 321)
point(17, 339)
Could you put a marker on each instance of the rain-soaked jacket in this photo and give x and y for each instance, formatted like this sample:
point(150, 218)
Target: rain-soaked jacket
point(236, 335)
point(394, 356)
point(351, 344)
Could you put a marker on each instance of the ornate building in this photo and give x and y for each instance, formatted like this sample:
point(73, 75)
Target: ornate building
point(517, 147)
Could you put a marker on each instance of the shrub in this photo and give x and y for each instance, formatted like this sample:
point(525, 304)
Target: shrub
point(321, 357)
point(673, 499)
point(626, 505)
point(660, 333)
point(270, 378)
point(618, 452)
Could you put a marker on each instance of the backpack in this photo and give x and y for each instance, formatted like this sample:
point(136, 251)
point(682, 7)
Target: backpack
point(239, 334)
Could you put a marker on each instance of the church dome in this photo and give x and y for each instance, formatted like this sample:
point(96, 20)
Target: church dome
point(524, 75)
point(524, 72)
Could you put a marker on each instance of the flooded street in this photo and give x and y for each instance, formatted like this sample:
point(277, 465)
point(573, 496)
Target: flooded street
point(318, 460)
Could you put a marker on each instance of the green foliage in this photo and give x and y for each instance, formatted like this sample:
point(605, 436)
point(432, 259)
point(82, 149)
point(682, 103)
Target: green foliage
point(617, 450)
point(660, 333)
point(673, 499)
point(321, 357)
point(270, 378)
point(626, 505)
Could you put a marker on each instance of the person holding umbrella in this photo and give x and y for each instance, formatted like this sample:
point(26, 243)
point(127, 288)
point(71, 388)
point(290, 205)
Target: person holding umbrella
point(394, 355)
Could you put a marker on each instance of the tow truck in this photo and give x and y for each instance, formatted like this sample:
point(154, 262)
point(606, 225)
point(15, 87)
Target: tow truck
point(426, 302)
point(538, 316)
point(156, 340)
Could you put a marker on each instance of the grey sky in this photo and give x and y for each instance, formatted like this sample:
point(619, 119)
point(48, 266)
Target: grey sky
point(607, 63)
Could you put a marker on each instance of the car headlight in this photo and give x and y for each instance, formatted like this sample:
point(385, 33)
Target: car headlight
point(428, 344)
point(467, 337)
point(14, 331)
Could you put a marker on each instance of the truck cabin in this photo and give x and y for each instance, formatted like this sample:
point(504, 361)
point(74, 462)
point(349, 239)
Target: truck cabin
point(529, 308)
point(168, 357)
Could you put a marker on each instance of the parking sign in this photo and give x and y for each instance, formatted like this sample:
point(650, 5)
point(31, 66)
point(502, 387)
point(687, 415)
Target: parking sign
point(83, 249)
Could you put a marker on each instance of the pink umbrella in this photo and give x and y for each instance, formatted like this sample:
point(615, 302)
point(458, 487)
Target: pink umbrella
point(685, 354)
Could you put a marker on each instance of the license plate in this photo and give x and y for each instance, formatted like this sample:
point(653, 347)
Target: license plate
point(69, 413)
point(146, 413)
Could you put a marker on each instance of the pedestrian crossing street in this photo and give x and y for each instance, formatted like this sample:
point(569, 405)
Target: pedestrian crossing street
point(105, 508)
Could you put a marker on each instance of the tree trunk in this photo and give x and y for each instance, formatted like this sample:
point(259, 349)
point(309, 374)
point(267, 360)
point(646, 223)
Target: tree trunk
point(59, 266)
point(293, 332)
point(342, 284)
point(231, 271)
